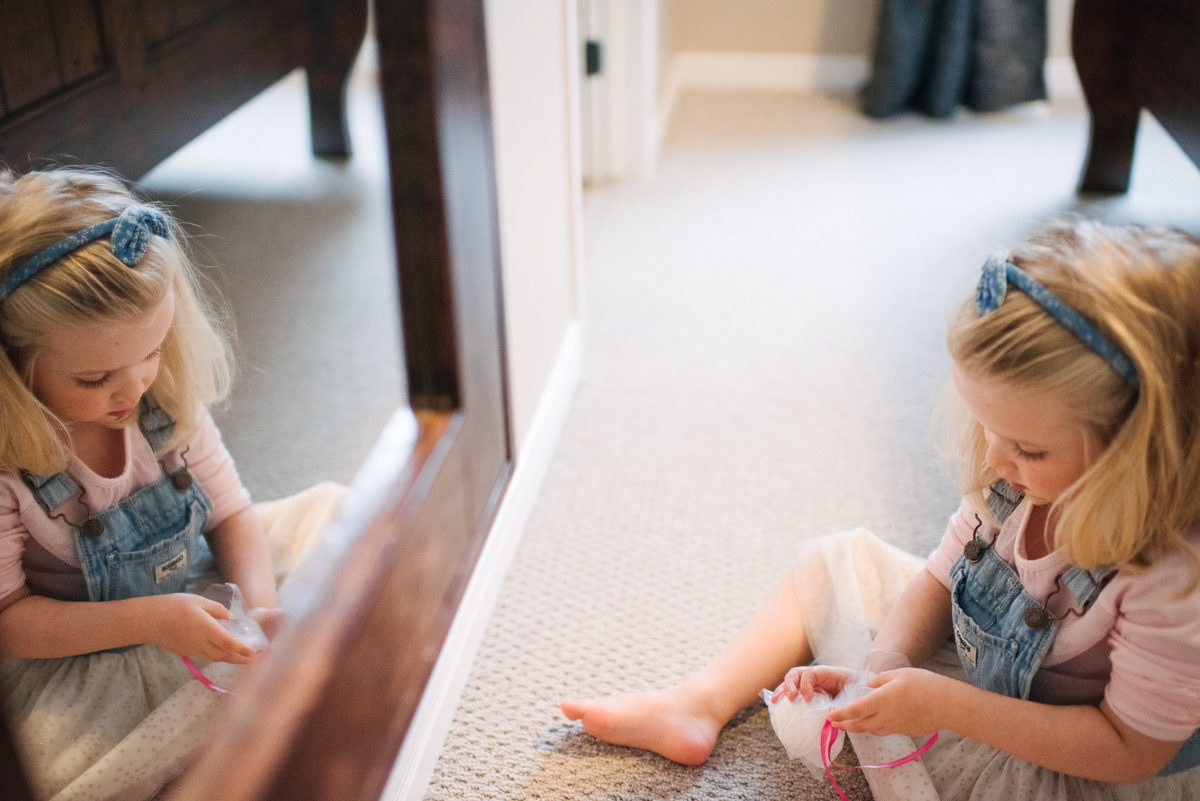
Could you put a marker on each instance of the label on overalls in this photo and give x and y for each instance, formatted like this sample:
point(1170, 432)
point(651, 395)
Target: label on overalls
point(170, 567)
point(964, 646)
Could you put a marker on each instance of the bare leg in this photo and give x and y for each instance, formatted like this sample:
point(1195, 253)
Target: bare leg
point(682, 722)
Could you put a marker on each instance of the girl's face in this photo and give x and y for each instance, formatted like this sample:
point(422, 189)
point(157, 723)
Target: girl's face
point(97, 372)
point(1033, 439)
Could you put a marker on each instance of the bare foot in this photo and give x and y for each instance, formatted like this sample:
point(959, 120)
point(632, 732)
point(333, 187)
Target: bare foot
point(671, 722)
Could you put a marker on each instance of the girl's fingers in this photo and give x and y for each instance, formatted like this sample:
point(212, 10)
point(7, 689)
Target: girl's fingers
point(855, 726)
point(878, 681)
point(230, 648)
point(855, 711)
point(213, 608)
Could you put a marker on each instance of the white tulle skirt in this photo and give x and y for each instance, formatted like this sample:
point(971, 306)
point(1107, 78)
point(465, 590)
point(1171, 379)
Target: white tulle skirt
point(118, 726)
point(847, 584)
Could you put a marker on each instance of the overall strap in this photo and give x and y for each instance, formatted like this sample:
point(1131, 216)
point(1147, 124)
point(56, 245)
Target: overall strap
point(50, 491)
point(1085, 585)
point(157, 426)
point(1003, 500)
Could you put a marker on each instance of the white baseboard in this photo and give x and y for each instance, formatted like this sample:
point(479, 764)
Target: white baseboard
point(423, 743)
point(799, 73)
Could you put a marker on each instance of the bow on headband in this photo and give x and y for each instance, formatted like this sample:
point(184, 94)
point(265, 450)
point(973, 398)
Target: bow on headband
point(130, 234)
point(999, 272)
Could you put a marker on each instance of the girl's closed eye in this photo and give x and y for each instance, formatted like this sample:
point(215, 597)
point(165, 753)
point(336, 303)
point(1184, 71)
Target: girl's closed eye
point(1031, 456)
point(96, 383)
point(93, 383)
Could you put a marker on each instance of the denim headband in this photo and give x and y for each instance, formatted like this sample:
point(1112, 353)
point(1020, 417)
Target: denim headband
point(999, 272)
point(130, 237)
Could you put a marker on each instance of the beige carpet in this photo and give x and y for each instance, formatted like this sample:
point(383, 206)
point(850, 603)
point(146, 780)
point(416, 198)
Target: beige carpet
point(764, 348)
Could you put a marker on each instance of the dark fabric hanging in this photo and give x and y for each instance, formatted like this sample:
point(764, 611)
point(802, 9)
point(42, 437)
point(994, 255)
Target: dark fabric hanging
point(933, 55)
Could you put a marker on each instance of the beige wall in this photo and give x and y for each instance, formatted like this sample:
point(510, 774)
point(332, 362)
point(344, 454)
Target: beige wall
point(834, 27)
point(768, 26)
point(537, 185)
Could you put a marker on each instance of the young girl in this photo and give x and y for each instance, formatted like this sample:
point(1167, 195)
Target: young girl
point(114, 485)
point(1069, 579)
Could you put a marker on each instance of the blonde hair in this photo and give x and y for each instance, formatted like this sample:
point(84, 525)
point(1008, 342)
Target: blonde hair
point(87, 285)
point(1140, 288)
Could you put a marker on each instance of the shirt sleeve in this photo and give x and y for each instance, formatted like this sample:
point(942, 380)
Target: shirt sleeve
point(958, 533)
point(210, 463)
point(1154, 686)
point(12, 538)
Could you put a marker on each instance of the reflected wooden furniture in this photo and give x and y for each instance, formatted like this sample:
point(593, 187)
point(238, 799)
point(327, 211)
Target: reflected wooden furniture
point(126, 83)
point(1135, 54)
point(325, 714)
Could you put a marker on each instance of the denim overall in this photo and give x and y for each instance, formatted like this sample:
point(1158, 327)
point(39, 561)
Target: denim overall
point(1003, 633)
point(146, 543)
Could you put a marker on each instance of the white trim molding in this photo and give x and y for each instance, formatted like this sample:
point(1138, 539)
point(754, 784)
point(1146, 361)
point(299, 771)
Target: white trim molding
point(427, 733)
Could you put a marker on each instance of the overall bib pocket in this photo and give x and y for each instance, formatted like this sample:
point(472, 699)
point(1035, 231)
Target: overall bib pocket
point(161, 567)
point(989, 661)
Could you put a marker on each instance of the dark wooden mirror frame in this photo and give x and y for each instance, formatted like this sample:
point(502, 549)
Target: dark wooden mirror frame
point(325, 714)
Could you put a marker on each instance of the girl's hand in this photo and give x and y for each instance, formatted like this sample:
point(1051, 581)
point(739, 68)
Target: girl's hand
point(804, 680)
point(907, 701)
point(186, 624)
point(270, 619)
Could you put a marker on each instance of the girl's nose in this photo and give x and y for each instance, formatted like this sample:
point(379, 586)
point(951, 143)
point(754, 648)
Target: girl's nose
point(995, 456)
point(132, 386)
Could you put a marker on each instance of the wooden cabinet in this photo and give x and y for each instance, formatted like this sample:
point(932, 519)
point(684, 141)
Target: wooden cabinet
point(46, 46)
point(126, 83)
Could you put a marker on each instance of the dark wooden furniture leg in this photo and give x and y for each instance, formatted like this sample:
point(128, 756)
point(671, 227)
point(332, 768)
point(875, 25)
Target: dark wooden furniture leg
point(338, 30)
point(1100, 41)
point(1109, 159)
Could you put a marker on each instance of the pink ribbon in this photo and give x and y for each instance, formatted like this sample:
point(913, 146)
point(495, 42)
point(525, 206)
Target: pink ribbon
point(204, 680)
point(829, 737)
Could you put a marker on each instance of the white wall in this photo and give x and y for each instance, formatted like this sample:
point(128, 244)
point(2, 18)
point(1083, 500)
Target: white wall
point(770, 26)
point(534, 75)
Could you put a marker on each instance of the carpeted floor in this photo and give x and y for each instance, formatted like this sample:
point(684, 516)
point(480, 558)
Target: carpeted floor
point(764, 349)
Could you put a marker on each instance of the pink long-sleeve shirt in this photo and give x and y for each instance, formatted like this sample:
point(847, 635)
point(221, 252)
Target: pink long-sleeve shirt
point(1137, 647)
point(38, 551)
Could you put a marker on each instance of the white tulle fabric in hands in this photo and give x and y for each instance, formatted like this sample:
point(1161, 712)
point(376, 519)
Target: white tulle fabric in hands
point(798, 723)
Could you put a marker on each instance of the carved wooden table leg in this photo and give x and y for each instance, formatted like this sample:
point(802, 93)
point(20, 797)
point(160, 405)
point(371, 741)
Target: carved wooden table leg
point(1102, 43)
point(337, 30)
point(1109, 159)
